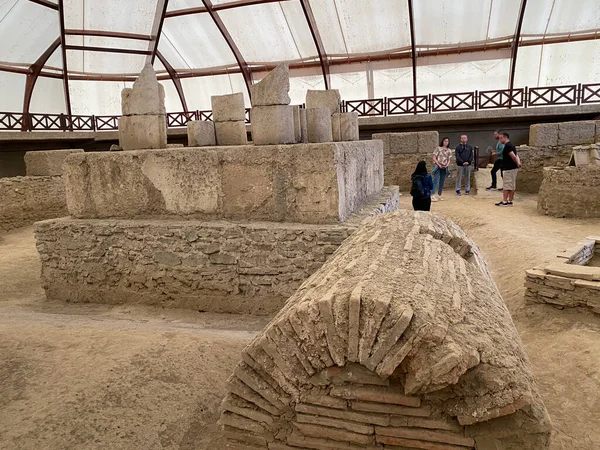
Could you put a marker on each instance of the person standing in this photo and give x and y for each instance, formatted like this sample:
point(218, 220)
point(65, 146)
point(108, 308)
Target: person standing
point(422, 184)
point(464, 162)
point(441, 161)
point(510, 166)
point(497, 163)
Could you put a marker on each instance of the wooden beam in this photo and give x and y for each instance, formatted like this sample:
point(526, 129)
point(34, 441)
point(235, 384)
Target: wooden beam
point(32, 76)
point(45, 3)
point(515, 48)
point(244, 68)
point(413, 52)
point(159, 20)
point(130, 51)
point(220, 7)
point(110, 34)
point(63, 46)
point(174, 78)
point(312, 25)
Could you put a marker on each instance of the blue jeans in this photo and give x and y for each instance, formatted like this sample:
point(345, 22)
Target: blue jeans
point(439, 178)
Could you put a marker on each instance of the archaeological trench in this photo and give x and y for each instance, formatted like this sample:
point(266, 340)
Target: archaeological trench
point(388, 330)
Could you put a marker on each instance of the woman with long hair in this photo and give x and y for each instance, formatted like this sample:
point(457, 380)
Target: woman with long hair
point(441, 161)
point(422, 185)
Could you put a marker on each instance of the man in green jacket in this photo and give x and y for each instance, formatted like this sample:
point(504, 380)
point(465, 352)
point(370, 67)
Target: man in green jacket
point(497, 163)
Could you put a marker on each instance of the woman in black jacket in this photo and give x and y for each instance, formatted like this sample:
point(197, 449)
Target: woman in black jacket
point(422, 185)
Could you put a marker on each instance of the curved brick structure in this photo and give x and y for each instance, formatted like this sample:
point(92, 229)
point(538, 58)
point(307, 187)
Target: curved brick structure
point(402, 341)
point(570, 192)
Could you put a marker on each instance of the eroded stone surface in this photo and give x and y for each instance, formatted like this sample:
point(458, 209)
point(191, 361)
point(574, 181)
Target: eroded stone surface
point(345, 126)
point(570, 192)
point(47, 162)
point(273, 125)
point(228, 107)
point(147, 96)
point(574, 133)
point(201, 133)
point(231, 133)
point(272, 89)
point(543, 135)
point(409, 298)
point(329, 99)
point(318, 125)
point(142, 132)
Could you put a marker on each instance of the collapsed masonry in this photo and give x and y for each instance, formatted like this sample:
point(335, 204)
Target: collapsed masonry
point(401, 341)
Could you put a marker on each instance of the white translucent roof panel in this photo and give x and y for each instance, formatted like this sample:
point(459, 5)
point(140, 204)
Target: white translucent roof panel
point(558, 64)
point(26, 30)
point(98, 41)
point(12, 91)
point(362, 26)
point(352, 85)
point(131, 16)
point(55, 60)
point(300, 83)
point(453, 75)
point(198, 90)
point(393, 82)
point(102, 98)
point(560, 16)
point(104, 63)
point(445, 22)
point(172, 102)
point(183, 4)
point(48, 96)
point(262, 33)
point(171, 54)
point(197, 41)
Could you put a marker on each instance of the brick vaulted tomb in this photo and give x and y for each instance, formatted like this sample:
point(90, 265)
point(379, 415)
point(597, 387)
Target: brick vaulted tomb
point(400, 341)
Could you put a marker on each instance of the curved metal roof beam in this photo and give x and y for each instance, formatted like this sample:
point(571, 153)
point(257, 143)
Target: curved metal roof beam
point(515, 49)
point(174, 78)
point(63, 46)
point(413, 52)
point(312, 25)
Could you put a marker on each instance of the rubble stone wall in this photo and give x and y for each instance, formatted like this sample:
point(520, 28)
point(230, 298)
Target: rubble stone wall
point(570, 192)
point(210, 266)
point(25, 200)
point(534, 160)
point(401, 340)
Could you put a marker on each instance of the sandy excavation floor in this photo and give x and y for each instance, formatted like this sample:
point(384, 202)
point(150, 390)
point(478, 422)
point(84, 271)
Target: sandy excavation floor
point(102, 377)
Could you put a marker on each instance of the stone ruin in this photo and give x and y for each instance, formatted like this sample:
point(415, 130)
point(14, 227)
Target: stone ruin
point(371, 352)
point(572, 280)
point(401, 341)
point(226, 228)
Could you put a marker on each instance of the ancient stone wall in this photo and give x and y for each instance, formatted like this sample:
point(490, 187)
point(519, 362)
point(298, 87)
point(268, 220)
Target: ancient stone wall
point(47, 162)
point(570, 192)
point(534, 160)
point(25, 200)
point(308, 183)
point(209, 266)
point(401, 340)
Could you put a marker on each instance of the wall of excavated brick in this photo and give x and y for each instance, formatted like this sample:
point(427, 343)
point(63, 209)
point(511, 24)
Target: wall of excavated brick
point(570, 192)
point(25, 200)
point(209, 266)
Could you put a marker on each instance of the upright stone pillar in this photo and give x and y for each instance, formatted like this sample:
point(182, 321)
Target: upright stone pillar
point(229, 117)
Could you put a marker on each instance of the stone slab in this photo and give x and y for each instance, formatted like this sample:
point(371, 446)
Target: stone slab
point(575, 133)
point(309, 183)
point(345, 126)
point(47, 162)
point(303, 126)
point(231, 133)
point(272, 89)
point(297, 124)
point(318, 125)
point(329, 99)
point(147, 96)
point(142, 132)
point(543, 135)
point(201, 133)
point(273, 125)
point(229, 107)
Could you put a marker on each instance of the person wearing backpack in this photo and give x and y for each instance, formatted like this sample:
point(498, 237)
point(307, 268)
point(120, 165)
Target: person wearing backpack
point(421, 188)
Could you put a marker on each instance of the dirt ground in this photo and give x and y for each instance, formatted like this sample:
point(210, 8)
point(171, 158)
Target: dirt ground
point(126, 377)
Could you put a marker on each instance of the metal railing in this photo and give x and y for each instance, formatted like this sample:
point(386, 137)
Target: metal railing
point(576, 94)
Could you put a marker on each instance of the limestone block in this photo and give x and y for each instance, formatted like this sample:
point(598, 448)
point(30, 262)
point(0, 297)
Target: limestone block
point(543, 135)
point(231, 133)
point(428, 141)
point(273, 125)
point(272, 89)
point(229, 107)
point(581, 132)
point(142, 132)
point(345, 126)
point(303, 126)
point(297, 124)
point(201, 133)
point(146, 97)
point(47, 162)
point(570, 192)
point(329, 99)
point(115, 148)
point(399, 143)
point(597, 132)
point(318, 125)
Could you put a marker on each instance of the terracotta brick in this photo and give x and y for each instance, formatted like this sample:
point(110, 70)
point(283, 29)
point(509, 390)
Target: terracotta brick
point(334, 434)
point(413, 444)
point(424, 411)
point(375, 419)
point(375, 394)
point(443, 437)
point(335, 423)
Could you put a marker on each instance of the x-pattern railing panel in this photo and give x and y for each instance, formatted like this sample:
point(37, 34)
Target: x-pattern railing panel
point(503, 98)
point(180, 119)
point(453, 102)
point(107, 123)
point(370, 107)
point(205, 115)
point(590, 93)
point(553, 95)
point(11, 121)
point(47, 122)
point(406, 105)
point(80, 123)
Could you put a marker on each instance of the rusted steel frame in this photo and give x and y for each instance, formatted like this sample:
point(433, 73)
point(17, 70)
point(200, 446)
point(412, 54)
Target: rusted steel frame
point(312, 25)
point(109, 34)
point(413, 52)
point(230, 5)
point(63, 45)
point(130, 51)
point(515, 48)
point(45, 3)
point(174, 78)
point(161, 8)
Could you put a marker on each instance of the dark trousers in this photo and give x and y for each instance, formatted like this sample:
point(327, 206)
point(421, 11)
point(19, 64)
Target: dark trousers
point(421, 204)
point(497, 167)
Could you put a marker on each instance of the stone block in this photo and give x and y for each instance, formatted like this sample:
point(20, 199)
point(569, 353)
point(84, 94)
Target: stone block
point(147, 96)
point(231, 133)
point(543, 135)
point(297, 124)
point(226, 108)
point(345, 126)
point(597, 132)
point(399, 143)
point(273, 125)
point(142, 132)
point(47, 162)
point(318, 125)
point(428, 141)
point(272, 89)
point(201, 133)
point(329, 99)
point(580, 132)
point(303, 126)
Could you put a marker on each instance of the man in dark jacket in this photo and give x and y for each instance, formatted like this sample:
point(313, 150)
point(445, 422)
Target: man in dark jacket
point(464, 163)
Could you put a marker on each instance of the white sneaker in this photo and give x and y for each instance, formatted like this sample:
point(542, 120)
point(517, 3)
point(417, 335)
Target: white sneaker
point(434, 198)
point(442, 199)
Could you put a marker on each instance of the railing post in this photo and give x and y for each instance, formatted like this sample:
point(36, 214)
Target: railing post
point(526, 96)
point(93, 123)
point(578, 94)
point(476, 101)
point(429, 103)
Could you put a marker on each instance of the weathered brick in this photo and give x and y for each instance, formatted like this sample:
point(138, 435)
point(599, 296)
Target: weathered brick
point(375, 394)
point(426, 435)
point(423, 411)
point(335, 423)
point(335, 434)
point(375, 419)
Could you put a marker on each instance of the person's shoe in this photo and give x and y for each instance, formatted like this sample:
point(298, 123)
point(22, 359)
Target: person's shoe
point(467, 192)
point(458, 192)
point(509, 203)
point(491, 188)
point(500, 189)
point(434, 198)
point(502, 204)
point(441, 199)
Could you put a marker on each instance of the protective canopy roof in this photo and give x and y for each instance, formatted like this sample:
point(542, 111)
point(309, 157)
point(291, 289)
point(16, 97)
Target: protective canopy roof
point(364, 47)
